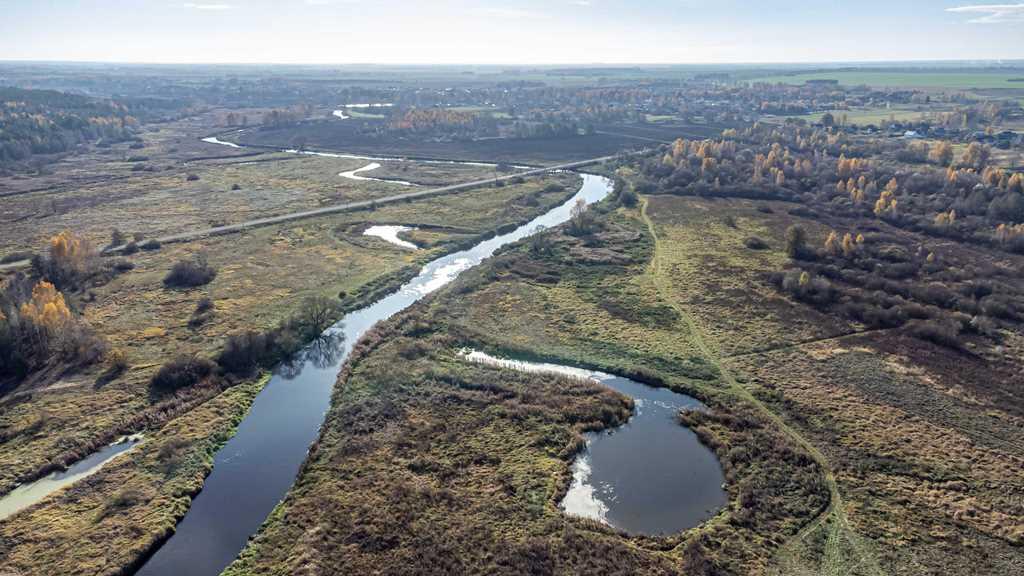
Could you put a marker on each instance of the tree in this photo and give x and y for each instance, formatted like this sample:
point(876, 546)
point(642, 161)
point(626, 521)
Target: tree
point(796, 242)
point(581, 223)
point(70, 259)
point(976, 156)
point(885, 203)
point(832, 245)
point(849, 246)
point(47, 311)
point(942, 153)
point(318, 313)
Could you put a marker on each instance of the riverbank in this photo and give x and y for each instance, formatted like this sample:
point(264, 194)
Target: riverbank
point(274, 437)
point(427, 460)
point(315, 257)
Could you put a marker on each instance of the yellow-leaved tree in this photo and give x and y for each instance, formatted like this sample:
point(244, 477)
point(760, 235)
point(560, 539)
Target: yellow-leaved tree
point(47, 310)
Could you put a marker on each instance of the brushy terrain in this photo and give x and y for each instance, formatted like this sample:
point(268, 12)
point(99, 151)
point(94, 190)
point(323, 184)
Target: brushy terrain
point(430, 465)
point(847, 450)
point(922, 439)
point(262, 278)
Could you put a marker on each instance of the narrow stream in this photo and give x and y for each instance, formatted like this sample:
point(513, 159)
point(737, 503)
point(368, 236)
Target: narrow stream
point(253, 471)
point(649, 476)
point(28, 494)
point(355, 175)
point(390, 234)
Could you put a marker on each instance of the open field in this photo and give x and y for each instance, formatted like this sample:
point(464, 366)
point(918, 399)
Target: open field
point(867, 401)
point(267, 185)
point(874, 116)
point(263, 276)
point(907, 78)
point(339, 136)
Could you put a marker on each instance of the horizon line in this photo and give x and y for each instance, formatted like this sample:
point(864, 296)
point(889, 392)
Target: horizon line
point(997, 61)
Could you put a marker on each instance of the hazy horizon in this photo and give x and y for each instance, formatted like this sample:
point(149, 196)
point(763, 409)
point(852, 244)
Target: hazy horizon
point(524, 32)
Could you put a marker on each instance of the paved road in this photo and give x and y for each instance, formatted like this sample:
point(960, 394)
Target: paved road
point(348, 207)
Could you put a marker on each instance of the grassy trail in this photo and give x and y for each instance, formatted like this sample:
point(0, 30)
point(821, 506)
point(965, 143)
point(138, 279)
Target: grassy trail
point(833, 562)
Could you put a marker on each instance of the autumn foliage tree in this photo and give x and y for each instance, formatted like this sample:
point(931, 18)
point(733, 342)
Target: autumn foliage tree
point(69, 260)
point(40, 327)
point(942, 153)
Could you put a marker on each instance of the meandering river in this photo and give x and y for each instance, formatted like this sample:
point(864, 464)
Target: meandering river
point(253, 471)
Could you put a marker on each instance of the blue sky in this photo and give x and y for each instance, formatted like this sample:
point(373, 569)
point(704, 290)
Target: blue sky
point(509, 31)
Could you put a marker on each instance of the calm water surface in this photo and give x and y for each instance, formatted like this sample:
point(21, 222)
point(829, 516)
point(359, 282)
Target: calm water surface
point(649, 476)
point(254, 470)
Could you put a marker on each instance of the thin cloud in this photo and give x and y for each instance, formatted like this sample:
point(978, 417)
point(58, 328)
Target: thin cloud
point(207, 7)
point(992, 13)
point(515, 14)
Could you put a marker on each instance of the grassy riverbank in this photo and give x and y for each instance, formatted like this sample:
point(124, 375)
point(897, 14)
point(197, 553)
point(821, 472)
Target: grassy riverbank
point(845, 451)
point(263, 276)
point(429, 463)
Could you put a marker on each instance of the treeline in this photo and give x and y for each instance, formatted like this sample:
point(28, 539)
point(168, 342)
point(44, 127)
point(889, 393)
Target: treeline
point(930, 189)
point(39, 122)
point(865, 271)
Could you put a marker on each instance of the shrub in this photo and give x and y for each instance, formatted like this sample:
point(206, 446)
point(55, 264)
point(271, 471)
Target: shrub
point(244, 353)
point(152, 244)
point(806, 287)
point(172, 454)
point(190, 273)
point(182, 372)
point(125, 498)
point(755, 243)
point(796, 243)
point(117, 361)
point(938, 332)
point(202, 314)
point(130, 248)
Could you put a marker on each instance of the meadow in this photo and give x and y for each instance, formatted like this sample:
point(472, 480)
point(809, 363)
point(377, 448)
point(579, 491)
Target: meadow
point(945, 79)
point(263, 276)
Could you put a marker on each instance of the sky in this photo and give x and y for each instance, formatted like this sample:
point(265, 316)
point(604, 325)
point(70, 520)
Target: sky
point(509, 31)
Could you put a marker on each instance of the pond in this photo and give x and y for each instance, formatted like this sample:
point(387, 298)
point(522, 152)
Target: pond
point(649, 476)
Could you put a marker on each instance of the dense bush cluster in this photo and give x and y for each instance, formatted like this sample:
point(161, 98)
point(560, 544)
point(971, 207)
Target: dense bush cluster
point(37, 327)
point(879, 281)
point(907, 184)
point(190, 273)
point(247, 351)
point(182, 372)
